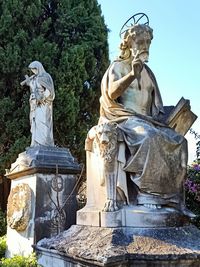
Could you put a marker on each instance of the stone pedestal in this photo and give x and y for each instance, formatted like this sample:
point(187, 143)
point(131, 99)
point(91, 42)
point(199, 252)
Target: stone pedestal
point(132, 216)
point(42, 201)
point(82, 246)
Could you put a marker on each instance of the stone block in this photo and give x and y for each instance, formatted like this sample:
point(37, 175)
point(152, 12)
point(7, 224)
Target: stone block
point(88, 217)
point(113, 219)
point(82, 246)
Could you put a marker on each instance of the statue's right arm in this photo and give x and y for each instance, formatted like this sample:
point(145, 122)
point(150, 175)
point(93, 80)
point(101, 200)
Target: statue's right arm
point(27, 80)
point(117, 82)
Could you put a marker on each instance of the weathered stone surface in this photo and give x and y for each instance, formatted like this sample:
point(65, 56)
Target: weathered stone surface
point(132, 216)
point(43, 159)
point(19, 207)
point(95, 246)
point(56, 204)
point(50, 172)
point(52, 209)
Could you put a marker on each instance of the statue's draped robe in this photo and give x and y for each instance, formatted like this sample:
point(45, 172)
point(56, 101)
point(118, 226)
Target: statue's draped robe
point(41, 106)
point(154, 156)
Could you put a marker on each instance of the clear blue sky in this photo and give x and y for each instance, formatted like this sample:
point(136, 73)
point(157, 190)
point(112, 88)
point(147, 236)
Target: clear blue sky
point(175, 49)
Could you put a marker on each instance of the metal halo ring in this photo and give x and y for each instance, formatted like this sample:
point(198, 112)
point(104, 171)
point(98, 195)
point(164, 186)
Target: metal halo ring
point(136, 18)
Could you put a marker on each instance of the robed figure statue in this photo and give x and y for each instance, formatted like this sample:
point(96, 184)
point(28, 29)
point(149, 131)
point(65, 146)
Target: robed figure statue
point(41, 100)
point(135, 161)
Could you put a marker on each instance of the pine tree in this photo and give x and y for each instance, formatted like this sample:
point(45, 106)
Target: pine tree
point(69, 37)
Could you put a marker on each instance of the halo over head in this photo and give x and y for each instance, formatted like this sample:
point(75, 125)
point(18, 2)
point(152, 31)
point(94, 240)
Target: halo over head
point(132, 21)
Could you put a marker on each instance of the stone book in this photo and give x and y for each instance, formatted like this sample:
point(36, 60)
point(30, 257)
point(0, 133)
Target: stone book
point(180, 117)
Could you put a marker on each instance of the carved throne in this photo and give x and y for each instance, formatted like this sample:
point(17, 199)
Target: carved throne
point(111, 201)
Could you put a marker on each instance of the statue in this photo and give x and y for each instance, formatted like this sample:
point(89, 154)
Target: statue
point(138, 159)
point(41, 100)
point(42, 152)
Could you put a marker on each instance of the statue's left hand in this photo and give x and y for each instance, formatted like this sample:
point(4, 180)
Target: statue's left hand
point(92, 132)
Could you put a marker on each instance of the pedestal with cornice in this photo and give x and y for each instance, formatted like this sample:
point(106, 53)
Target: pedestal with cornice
point(42, 201)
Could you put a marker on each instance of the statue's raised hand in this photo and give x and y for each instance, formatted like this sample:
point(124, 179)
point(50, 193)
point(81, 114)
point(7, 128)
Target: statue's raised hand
point(26, 81)
point(137, 66)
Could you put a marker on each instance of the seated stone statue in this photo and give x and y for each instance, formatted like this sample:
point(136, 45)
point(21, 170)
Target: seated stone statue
point(133, 159)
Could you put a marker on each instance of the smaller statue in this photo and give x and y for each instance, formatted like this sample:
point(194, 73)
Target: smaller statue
point(41, 99)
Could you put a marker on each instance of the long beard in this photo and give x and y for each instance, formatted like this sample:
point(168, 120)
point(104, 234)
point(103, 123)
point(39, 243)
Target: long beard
point(144, 56)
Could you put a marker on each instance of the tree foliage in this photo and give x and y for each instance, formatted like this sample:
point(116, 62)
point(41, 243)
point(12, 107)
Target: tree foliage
point(69, 37)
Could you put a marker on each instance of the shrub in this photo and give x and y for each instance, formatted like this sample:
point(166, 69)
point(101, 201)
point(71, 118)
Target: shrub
point(2, 246)
point(192, 188)
point(2, 223)
point(20, 261)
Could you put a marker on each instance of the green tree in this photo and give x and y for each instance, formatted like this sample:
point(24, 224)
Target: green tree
point(69, 37)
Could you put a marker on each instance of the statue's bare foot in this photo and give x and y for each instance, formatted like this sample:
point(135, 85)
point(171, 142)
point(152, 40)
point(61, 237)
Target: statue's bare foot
point(110, 206)
point(152, 206)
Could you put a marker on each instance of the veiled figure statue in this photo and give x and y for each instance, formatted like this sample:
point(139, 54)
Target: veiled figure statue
point(42, 153)
point(135, 162)
point(41, 100)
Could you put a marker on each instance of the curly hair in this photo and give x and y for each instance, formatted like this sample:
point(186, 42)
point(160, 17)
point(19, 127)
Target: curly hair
point(130, 34)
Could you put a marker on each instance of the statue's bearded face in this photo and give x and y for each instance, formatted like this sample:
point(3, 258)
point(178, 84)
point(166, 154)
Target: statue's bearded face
point(140, 44)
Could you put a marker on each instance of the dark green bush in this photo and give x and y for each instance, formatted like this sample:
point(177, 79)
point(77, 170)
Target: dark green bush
point(2, 223)
point(2, 246)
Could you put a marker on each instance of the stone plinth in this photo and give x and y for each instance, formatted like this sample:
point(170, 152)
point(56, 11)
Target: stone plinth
point(43, 159)
point(42, 202)
point(131, 216)
point(122, 246)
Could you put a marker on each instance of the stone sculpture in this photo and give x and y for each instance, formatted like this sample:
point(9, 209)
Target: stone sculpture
point(41, 100)
point(136, 165)
point(140, 161)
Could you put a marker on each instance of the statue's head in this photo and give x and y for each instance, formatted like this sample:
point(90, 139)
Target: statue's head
point(36, 67)
point(136, 39)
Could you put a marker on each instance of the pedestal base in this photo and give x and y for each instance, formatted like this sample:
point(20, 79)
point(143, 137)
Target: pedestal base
point(141, 247)
point(42, 201)
point(132, 216)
